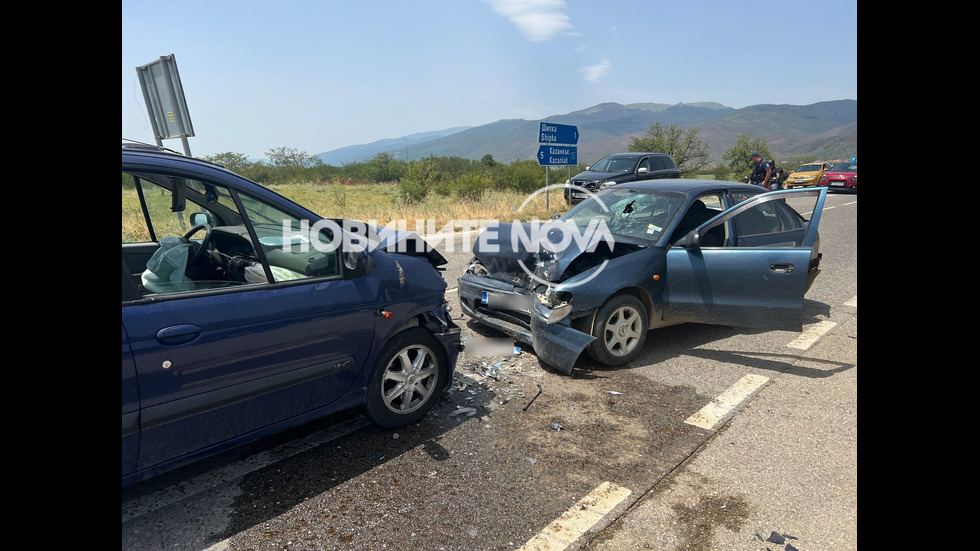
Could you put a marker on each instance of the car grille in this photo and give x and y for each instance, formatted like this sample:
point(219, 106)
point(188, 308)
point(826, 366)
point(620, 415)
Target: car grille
point(512, 316)
point(587, 184)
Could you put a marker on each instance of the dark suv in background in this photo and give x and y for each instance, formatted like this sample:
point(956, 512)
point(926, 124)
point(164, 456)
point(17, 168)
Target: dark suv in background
point(619, 168)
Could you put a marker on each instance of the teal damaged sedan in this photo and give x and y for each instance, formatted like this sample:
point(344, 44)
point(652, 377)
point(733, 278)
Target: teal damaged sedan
point(642, 256)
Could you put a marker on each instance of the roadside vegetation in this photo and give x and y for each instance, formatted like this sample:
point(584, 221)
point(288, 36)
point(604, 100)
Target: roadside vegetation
point(443, 189)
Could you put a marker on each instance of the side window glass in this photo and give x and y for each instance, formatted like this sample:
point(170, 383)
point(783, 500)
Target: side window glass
point(159, 202)
point(788, 218)
point(737, 197)
point(185, 237)
point(704, 208)
point(713, 202)
point(656, 163)
point(134, 224)
point(296, 249)
point(759, 220)
point(181, 235)
point(715, 236)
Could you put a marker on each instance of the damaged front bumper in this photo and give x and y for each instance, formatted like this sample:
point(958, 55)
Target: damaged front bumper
point(449, 335)
point(520, 314)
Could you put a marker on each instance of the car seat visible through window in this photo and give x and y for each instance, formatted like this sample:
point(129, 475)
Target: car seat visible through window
point(695, 216)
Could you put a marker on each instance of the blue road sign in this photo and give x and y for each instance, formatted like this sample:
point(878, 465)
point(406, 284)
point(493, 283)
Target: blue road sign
point(854, 159)
point(558, 133)
point(557, 155)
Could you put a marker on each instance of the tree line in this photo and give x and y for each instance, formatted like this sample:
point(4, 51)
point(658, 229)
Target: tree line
point(469, 178)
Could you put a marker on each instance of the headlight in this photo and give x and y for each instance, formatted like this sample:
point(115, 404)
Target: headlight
point(604, 185)
point(559, 313)
point(556, 306)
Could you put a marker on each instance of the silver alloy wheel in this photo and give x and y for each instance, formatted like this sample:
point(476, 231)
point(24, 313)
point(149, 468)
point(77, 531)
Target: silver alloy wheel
point(623, 331)
point(409, 379)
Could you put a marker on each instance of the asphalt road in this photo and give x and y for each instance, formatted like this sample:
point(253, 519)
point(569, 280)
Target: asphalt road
point(716, 438)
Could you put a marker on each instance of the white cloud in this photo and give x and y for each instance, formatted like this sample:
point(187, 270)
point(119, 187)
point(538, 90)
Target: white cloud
point(595, 72)
point(537, 19)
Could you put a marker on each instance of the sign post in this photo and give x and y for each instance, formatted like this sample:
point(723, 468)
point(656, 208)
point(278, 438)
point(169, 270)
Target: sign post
point(559, 150)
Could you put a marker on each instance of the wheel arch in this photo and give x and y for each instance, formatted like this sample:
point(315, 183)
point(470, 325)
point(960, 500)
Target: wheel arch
point(586, 323)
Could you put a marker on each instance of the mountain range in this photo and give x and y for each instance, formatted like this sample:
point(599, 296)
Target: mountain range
point(824, 130)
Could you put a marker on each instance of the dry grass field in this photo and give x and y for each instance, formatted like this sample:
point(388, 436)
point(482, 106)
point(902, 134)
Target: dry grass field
point(380, 204)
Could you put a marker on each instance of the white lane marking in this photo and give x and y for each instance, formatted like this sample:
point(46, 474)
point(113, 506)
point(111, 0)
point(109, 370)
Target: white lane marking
point(454, 289)
point(711, 414)
point(811, 334)
point(853, 302)
point(183, 490)
point(578, 519)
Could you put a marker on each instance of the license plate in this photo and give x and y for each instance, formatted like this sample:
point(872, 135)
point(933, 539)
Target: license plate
point(579, 195)
point(837, 184)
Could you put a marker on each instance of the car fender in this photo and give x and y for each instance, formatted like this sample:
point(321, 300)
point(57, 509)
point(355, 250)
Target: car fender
point(636, 273)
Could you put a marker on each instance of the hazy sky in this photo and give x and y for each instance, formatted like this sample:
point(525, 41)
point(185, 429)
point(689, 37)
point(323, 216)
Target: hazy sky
point(320, 75)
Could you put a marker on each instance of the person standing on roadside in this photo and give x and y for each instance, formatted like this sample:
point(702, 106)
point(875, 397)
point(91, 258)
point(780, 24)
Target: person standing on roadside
point(776, 176)
point(760, 172)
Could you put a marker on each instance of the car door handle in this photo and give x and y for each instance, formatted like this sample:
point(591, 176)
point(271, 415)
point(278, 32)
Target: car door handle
point(781, 267)
point(178, 334)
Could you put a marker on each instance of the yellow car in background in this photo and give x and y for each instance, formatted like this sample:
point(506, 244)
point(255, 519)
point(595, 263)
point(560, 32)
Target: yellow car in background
point(806, 175)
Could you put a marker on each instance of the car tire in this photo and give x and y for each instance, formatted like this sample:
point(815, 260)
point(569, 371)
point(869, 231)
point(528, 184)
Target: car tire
point(408, 379)
point(620, 330)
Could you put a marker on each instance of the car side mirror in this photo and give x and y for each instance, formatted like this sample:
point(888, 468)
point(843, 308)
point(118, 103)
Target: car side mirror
point(357, 263)
point(642, 170)
point(199, 218)
point(691, 240)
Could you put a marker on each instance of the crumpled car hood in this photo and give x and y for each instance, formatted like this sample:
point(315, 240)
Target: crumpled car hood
point(508, 249)
point(394, 241)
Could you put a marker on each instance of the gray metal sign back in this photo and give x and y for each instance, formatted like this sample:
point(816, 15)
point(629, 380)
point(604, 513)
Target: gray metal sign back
point(164, 98)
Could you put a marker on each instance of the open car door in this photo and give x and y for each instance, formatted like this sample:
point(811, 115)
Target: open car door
point(757, 277)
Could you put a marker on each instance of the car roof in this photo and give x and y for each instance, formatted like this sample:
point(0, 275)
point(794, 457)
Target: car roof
point(136, 148)
point(633, 154)
point(689, 185)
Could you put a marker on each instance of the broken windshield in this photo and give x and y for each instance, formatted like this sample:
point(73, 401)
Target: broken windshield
point(638, 214)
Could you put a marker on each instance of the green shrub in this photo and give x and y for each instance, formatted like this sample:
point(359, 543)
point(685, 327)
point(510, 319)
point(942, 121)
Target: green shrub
point(412, 191)
point(523, 176)
point(471, 186)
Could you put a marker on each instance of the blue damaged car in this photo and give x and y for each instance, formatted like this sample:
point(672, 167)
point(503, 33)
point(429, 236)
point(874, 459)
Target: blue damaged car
point(644, 255)
point(244, 314)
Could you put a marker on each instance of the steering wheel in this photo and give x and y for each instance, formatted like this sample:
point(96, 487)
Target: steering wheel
point(205, 245)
